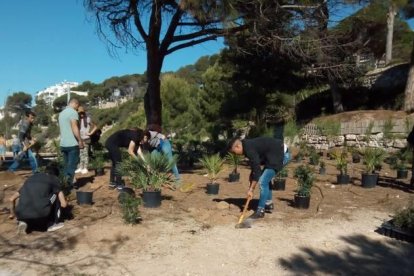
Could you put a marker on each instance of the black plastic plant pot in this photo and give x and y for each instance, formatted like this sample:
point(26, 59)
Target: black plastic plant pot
point(84, 198)
point(302, 202)
point(99, 171)
point(278, 184)
point(322, 171)
point(402, 174)
point(212, 188)
point(369, 180)
point(151, 199)
point(234, 177)
point(342, 179)
point(356, 159)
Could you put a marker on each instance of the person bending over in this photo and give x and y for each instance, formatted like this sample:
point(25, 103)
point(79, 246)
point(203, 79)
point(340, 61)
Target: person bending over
point(38, 202)
point(265, 151)
point(125, 138)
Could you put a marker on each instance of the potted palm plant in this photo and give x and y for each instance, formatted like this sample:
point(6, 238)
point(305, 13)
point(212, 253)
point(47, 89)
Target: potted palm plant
point(322, 168)
point(149, 174)
point(305, 178)
point(341, 157)
point(372, 158)
point(279, 182)
point(213, 164)
point(314, 157)
point(234, 160)
point(97, 163)
point(399, 163)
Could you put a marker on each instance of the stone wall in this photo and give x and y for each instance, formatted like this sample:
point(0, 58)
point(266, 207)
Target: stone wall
point(360, 134)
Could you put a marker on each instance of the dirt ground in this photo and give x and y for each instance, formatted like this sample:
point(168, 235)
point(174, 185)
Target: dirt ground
point(193, 233)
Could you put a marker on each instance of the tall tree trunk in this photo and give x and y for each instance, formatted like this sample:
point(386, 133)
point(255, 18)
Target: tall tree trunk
point(152, 98)
point(409, 87)
point(390, 33)
point(336, 96)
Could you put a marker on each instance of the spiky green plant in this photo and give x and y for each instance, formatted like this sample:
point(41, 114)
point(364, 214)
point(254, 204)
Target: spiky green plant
point(213, 164)
point(340, 157)
point(130, 211)
point(305, 178)
point(372, 158)
point(234, 160)
point(150, 173)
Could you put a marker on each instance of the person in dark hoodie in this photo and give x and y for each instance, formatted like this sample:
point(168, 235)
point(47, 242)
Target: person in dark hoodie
point(265, 151)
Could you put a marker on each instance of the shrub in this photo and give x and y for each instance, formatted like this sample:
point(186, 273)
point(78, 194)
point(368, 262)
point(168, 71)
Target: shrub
point(305, 179)
point(130, 211)
point(213, 165)
point(405, 218)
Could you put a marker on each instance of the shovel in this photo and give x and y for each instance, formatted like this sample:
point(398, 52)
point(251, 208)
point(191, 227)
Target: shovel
point(246, 223)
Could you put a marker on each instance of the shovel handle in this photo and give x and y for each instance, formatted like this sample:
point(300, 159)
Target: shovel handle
point(244, 209)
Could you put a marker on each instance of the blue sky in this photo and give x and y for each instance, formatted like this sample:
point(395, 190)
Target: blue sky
point(45, 42)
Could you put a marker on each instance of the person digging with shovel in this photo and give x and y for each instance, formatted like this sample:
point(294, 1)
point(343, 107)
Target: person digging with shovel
point(266, 151)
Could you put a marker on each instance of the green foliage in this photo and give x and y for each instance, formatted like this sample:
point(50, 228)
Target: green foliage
point(130, 211)
point(314, 157)
point(149, 174)
point(322, 164)
point(387, 128)
point(368, 131)
point(234, 160)
point(98, 160)
point(341, 159)
point(213, 164)
point(373, 157)
point(19, 102)
point(290, 130)
point(329, 128)
point(404, 218)
point(305, 177)
point(399, 160)
point(283, 173)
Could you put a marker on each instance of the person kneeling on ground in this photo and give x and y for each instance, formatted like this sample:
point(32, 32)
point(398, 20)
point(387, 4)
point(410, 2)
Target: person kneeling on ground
point(261, 150)
point(39, 202)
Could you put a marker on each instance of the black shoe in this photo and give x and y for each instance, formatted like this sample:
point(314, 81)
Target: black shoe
point(269, 208)
point(260, 213)
point(120, 187)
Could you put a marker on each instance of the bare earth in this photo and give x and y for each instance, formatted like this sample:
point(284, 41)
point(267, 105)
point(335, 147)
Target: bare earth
point(194, 233)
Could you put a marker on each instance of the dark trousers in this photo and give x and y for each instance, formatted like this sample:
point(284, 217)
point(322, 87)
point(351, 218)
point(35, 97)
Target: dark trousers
point(41, 224)
point(116, 157)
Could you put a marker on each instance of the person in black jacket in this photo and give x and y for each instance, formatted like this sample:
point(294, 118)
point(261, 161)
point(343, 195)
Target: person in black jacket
point(265, 151)
point(39, 201)
point(410, 140)
point(125, 138)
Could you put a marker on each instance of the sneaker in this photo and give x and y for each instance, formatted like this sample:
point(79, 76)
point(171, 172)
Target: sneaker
point(21, 227)
point(78, 170)
point(260, 213)
point(55, 227)
point(84, 171)
point(269, 208)
point(112, 185)
point(120, 187)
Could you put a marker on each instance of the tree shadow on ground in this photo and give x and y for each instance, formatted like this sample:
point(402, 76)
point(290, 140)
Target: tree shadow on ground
point(361, 256)
point(239, 202)
point(30, 253)
point(391, 182)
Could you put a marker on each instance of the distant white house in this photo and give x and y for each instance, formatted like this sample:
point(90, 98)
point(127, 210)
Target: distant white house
point(53, 92)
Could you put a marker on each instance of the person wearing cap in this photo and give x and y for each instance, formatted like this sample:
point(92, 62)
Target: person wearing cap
point(27, 141)
point(70, 141)
point(86, 128)
point(266, 151)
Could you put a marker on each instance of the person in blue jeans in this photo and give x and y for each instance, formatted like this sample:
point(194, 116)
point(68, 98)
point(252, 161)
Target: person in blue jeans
point(70, 141)
point(26, 141)
point(266, 151)
point(159, 143)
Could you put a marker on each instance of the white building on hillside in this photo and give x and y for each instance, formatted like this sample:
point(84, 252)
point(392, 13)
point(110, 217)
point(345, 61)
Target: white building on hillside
point(53, 92)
